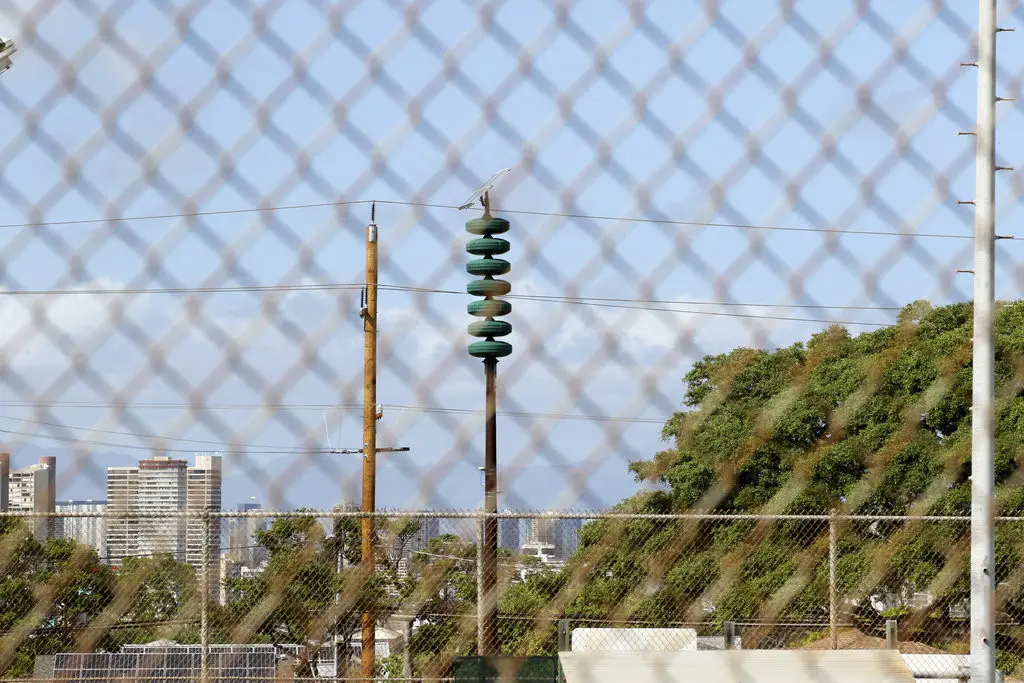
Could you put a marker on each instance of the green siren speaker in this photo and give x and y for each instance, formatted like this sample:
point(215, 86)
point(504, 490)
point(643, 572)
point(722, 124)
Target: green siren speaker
point(487, 267)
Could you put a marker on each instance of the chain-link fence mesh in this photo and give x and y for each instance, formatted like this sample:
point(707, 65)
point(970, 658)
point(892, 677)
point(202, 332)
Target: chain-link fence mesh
point(741, 344)
point(620, 582)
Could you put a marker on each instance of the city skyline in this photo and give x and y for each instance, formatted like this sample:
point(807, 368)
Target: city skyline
point(166, 486)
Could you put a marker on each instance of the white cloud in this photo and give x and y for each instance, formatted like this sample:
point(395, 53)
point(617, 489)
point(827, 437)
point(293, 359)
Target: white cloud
point(32, 325)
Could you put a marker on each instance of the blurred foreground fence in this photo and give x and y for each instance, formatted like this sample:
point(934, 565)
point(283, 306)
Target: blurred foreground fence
point(769, 201)
point(288, 603)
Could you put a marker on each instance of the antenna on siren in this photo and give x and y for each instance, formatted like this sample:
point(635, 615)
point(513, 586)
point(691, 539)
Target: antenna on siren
point(484, 189)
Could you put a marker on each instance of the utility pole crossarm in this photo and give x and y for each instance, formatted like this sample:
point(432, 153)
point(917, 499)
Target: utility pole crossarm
point(358, 451)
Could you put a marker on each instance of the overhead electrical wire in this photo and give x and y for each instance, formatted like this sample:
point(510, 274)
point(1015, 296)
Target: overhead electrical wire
point(226, 448)
point(238, 448)
point(70, 291)
point(643, 305)
point(354, 286)
point(523, 212)
point(729, 314)
point(298, 450)
point(140, 435)
point(303, 406)
point(743, 226)
point(683, 302)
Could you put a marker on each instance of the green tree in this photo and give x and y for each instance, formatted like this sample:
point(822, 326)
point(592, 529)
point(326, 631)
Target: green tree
point(301, 596)
point(446, 575)
point(165, 590)
point(877, 423)
point(50, 593)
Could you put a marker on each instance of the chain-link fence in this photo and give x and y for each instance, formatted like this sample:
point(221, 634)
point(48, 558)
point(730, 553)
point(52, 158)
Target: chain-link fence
point(608, 582)
point(741, 343)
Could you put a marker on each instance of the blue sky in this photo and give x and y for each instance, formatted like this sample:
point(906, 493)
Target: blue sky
point(668, 111)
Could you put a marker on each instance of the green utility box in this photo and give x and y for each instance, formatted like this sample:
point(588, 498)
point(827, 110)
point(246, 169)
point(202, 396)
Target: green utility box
point(506, 670)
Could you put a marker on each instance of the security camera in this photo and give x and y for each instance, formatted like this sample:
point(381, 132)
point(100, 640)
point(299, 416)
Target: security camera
point(7, 50)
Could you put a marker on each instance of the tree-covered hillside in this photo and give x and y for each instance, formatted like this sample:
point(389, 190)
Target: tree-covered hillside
point(872, 424)
point(877, 423)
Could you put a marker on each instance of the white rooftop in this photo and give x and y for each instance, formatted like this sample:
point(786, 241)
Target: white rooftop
point(737, 666)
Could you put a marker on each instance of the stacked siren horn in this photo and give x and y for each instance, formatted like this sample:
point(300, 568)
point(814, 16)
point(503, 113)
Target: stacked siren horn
point(487, 267)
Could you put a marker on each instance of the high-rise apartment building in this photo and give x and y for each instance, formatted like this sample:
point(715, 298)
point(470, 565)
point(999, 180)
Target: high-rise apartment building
point(508, 534)
point(5, 479)
point(430, 528)
point(161, 491)
point(123, 499)
point(243, 547)
point(562, 534)
point(567, 538)
point(90, 531)
point(203, 496)
point(541, 530)
point(162, 497)
point(33, 489)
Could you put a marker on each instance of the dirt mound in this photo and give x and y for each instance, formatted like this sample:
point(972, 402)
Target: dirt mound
point(852, 639)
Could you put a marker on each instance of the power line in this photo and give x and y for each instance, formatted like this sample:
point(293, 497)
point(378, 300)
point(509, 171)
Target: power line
point(594, 300)
point(184, 214)
point(312, 406)
point(682, 302)
point(758, 316)
point(336, 286)
point(141, 435)
point(156, 437)
point(745, 226)
point(506, 565)
point(161, 553)
point(524, 212)
point(299, 450)
point(183, 290)
point(226, 448)
point(600, 302)
point(529, 414)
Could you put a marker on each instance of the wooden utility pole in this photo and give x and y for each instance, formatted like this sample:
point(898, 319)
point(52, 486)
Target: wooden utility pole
point(369, 316)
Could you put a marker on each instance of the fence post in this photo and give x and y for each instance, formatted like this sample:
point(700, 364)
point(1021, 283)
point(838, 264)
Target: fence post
point(564, 637)
point(833, 589)
point(481, 646)
point(204, 624)
point(407, 654)
point(729, 640)
point(892, 635)
point(564, 645)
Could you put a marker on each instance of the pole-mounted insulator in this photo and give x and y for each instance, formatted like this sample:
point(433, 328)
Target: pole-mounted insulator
point(488, 308)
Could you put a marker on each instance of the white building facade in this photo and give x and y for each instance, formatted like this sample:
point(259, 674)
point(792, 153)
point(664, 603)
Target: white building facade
point(163, 491)
point(90, 531)
point(34, 489)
